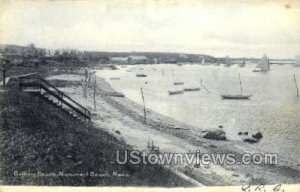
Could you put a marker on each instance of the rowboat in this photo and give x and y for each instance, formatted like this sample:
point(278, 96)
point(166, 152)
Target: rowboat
point(114, 78)
point(178, 83)
point(175, 92)
point(192, 89)
point(141, 75)
point(236, 96)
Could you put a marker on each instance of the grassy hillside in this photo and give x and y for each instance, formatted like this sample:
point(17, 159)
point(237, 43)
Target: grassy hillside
point(37, 137)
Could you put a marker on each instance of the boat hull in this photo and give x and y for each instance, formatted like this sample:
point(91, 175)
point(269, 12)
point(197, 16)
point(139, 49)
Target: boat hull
point(178, 83)
point(191, 89)
point(115, 78)
point(236, 96)
point(257, 70)
point(141, 75)
point(175, 92)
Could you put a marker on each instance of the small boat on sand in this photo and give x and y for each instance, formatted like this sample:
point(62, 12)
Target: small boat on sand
point(179, 83)
point(152, 148)
point(114, 94)
point(141, 75)
point(192, 89)
point(175, 92)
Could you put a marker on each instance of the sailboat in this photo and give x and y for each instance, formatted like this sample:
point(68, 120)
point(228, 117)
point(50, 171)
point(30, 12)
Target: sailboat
point(189, 89)
point(227, 62)
point(192, 89)
point(177, 92)
point(203, 61)
point(141, 75)
point(297, 61)
point(263, 64)
point(241, 96)
point(243, 63)
point(176, 82)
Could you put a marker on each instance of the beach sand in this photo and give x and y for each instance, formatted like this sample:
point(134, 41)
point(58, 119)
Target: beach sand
point(125, 119)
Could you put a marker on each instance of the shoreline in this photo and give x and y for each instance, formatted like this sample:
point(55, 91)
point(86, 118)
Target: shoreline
point(124, 119)
point(191, 134)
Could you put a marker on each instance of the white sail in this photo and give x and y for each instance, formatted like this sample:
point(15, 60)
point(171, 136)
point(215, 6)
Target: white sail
point(227, 61)
point(264, 63)
point(243, 63)
point(297, 61)
point(203, 60)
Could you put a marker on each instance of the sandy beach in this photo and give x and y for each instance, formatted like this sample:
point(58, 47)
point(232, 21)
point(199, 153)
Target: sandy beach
point(125, 120)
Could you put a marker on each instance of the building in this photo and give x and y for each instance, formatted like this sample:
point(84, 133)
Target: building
point(119, 60)
point(19, 55)
point(137, 59)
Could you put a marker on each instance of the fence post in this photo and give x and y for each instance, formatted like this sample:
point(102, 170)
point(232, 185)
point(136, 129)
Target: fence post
point(20, 84)
point(4, 76)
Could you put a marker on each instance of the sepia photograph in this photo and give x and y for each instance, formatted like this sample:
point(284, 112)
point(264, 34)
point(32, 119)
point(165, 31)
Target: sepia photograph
point(150, 94)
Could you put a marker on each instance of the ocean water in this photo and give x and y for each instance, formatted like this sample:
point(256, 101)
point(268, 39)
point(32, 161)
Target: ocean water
point(273, 108)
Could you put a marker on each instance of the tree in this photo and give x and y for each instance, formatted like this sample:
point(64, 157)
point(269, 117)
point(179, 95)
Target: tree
point(56, 52)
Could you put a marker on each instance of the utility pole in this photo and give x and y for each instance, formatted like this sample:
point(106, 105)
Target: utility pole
point(201, 82)
point(241, 84)
point(95, 89)
point(145, 115)
point(4, 76)
point(296, 86)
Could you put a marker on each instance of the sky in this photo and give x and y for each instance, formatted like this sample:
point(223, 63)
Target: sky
point(247, 28)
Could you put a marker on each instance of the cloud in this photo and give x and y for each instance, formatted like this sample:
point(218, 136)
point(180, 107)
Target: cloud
point(233, 27)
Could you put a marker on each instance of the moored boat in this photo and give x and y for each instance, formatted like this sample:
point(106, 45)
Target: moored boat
point(236, 96)
point(297, 61)
point(179, 83)
point(203, 60)
point(141, 75)
point(227, 62)
point(240, 96)
point(175, 92)
point(115, 78)
point(192, 89)
point(257, 70)
point(263, 65)
point(243, 63)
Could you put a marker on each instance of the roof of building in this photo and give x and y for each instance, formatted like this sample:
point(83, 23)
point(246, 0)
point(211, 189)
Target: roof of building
point(118, 58)
point(136, 57)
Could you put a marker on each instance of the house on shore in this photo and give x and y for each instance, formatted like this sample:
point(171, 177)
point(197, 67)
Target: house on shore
point(129, 60)
point(119, 60)
point(23, 55)
point(133, 59)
